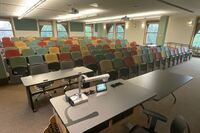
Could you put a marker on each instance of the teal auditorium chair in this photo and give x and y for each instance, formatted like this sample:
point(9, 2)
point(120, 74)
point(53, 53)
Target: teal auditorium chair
point(109, 56)
point(27, 52)
point(120, 67)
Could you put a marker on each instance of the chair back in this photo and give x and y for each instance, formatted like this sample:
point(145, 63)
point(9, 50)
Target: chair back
point(106, 66)
point(109, 56)
point(35, 60)
point(118, 55)
point(179, 125)
point(51, 58)
point(88, 60)
point(129, 62)
point(41, 51)
point(19, 61)
point(39, 69)
point(11, 53)
point(64, 57)
point(99, 57)
point(27, 52)
point(54, 50)
point(65, 49)
point(118, 63)
point(76, 55)
point(66, 64)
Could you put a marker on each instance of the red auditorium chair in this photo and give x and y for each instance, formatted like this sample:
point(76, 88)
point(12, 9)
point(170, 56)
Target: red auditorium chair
point(90, 62)
point(64, 57)
point(11, 53)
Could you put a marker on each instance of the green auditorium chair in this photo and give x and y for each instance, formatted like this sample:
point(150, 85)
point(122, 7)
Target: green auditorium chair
point(65, 49)
point(27, 52)
point(77, 58)
point(120, 67)
point(19, 66)
point(35, 60)
point(107, 67)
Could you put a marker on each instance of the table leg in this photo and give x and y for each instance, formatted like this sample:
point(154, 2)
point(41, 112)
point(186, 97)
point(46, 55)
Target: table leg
point(30, 99)
point(174, 97)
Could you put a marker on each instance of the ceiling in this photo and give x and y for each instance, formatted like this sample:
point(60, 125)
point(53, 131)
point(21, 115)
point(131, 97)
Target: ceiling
point(52, 9)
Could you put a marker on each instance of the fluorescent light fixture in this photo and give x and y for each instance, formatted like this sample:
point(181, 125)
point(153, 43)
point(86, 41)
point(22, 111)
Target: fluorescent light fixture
point(27, 11)
point(79, 17)
point(135, 15)
point(94, 5)
point(82, 14)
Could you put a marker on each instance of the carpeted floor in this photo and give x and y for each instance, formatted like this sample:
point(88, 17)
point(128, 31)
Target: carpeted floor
point(17, 117)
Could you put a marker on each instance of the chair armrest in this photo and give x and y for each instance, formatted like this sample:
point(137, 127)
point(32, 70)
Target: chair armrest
point(155, 115)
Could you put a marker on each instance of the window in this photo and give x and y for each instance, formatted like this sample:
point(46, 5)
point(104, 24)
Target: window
point(88, 30)
point(151, 34)
point(110, 28)
point(62, 32)
point(46, 30)
point(120, 31)
point(196, 41)
point(5, 29)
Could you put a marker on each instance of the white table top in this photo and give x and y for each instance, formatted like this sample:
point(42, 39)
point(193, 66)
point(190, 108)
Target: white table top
point(52, 76)
point(162, 82)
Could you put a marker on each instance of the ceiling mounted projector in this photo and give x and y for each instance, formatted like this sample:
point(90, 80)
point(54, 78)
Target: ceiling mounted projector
point(73, 11)
point(125, 18)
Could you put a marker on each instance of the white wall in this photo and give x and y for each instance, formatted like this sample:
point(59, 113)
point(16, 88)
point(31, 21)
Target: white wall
point(135, 31)
point(23, 33)
point(179, 30)
point(77, 34)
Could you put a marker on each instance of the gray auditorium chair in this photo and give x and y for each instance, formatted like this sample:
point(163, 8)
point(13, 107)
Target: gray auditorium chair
point(39, 69)
point(178, 125)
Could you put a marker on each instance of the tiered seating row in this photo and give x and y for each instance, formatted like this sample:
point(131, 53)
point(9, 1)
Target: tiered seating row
point(116, 59)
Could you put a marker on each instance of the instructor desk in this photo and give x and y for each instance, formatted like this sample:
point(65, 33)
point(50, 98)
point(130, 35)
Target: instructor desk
point(88, 116)
point(33, 80)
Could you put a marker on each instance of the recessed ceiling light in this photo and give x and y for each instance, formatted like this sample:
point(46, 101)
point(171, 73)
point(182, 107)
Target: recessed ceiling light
point(94, 5)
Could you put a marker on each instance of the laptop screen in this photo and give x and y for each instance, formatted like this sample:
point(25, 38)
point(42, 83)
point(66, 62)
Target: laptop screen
point(101, 87)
